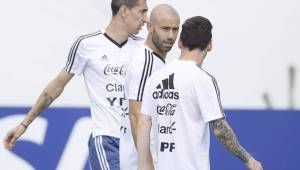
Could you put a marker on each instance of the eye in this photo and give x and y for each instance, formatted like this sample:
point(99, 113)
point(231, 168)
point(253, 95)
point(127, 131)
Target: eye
point(165, 28)
point(144, 11)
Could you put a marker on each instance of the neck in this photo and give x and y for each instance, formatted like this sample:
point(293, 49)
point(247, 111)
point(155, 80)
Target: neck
point(195, 55)
point(151, 45)
point(115, 30)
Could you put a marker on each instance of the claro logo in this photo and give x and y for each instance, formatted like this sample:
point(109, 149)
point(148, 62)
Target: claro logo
point(166, 89)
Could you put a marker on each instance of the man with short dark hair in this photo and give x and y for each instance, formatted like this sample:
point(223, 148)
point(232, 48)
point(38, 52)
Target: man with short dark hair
point(102, 59)
point(180, 102)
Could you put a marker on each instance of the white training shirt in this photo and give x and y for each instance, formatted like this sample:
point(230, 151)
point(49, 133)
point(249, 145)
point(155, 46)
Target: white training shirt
point(103, 64)
point(143, 64)
point(181, 99)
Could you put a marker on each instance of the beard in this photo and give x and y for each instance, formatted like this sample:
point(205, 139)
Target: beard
point(158, 43)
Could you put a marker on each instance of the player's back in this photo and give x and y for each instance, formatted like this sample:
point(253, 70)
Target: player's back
point(182, 130)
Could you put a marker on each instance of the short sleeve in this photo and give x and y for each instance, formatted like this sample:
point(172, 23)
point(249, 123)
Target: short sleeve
point(208, 98)
point(77, 58)
point(148, 105)
point(140, 69)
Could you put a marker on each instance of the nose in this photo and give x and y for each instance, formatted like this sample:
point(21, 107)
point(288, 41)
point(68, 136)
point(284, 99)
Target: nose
point(172, 34)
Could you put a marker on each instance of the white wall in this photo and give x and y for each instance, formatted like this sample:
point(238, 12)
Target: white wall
point(254, 43)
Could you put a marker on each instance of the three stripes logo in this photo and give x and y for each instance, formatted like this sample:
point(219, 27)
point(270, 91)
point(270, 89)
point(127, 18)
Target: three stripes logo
point(167, 83)
point(166, 89)
point(104, 58)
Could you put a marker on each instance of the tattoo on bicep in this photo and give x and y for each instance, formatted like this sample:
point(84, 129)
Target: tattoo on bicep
point(227, 137)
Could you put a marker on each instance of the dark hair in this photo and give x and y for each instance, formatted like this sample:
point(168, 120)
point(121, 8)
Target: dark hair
point(116, 4)
point(196, 33)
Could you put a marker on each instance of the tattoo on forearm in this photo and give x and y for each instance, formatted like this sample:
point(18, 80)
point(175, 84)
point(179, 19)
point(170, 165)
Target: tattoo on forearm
point(227, 137)
point(48, 101)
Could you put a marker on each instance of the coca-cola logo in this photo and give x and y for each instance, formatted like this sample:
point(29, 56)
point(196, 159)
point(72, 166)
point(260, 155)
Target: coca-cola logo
point(168, 109)
point(115, 70)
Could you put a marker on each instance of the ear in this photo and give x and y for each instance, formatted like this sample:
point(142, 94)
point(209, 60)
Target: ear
point(209, 46)
point(180, 46)
point(149, 27)
point(123, 11)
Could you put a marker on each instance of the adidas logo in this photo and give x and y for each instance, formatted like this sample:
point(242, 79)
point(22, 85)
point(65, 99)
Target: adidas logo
point(104, 58)
point(164, 89)
point(167, 83)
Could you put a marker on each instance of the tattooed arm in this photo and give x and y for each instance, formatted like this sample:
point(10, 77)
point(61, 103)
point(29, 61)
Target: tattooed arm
point(49, 94)
point(226, 136)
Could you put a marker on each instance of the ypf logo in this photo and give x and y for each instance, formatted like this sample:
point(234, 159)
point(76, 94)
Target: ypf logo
point(166, 89)
point(167, 146)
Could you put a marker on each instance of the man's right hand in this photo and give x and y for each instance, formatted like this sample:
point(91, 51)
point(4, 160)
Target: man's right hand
point(253, 164)
point(12, 136)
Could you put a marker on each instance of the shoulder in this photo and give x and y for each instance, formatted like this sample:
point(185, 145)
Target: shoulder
point(141, 63)
point(203, 75)
point(159, 74)
point(88, 39)
point(140, 55)
point(135, 40)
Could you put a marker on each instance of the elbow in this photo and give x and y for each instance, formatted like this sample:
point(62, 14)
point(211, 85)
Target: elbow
point(54, 89)
point(133, 116)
